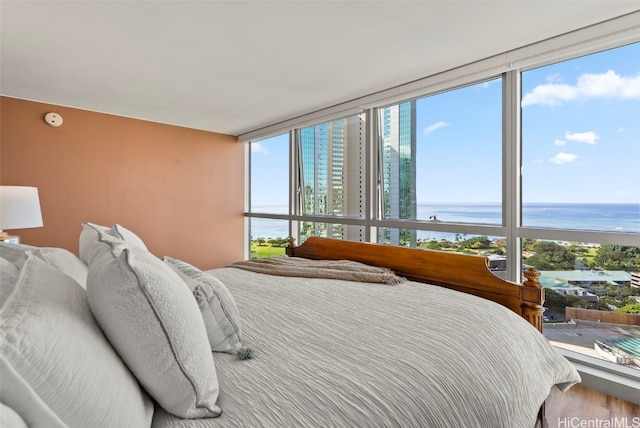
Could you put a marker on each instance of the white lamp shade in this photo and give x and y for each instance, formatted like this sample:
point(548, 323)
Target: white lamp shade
point(19, 207)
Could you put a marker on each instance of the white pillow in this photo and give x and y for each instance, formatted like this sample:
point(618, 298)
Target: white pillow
point(154, 323)
point(127, 236)
point(65, 261)
point(8, 277)
point(56, 366)
point(10, 419)
point(218, 308)
point(59, 258)
point(89, 238)
point(15, 253)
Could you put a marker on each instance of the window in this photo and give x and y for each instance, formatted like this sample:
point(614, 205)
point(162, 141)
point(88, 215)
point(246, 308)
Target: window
point(442, 155)
point(580, 175)
point(441, 160)
point(269, 178)
point(270, 175)
point(580, 136)
point(270, 239)
point(333, 168)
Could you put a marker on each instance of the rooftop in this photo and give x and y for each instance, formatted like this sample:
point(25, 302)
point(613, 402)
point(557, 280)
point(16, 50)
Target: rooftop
point(579, 336)
point(612, 276)
point(629, 346)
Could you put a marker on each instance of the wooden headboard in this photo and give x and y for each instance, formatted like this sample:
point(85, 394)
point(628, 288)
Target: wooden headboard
point(462, 272)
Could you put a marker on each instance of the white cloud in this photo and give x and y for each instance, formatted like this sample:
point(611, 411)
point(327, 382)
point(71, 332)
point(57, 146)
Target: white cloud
point(589, 137)
point(489, 83)
point(554, 78)
point(550, 94)
point(560, 143)
point(588, 85)
point(561, 158)
point(429, 129)
point(538, 161)
point(259, 148)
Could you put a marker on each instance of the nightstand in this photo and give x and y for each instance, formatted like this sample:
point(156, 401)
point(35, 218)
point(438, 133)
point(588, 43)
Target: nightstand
point(11, 239)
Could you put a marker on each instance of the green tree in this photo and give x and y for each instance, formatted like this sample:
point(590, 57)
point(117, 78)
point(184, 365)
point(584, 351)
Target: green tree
point(551, 256)
point(602, 304)
point(617, 257)
point(630, 309)
point(575, 301)
point(528, 244)
point(476, 243)
point(433, 245)
point(554, 300)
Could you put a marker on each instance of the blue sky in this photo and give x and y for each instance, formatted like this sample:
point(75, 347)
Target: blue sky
point(581, 129)
point(581, 138)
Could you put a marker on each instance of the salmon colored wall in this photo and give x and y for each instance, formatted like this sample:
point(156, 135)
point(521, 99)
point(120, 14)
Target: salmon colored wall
point(179, 189)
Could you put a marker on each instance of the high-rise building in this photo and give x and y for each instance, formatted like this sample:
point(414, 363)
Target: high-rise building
point(333, 172)
point(398, 133)
point(333, 175)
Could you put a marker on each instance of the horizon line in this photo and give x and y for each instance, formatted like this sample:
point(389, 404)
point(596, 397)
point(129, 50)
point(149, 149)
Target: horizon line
point(486, 203)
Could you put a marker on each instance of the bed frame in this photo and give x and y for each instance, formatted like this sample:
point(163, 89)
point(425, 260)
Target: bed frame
point(462, 272)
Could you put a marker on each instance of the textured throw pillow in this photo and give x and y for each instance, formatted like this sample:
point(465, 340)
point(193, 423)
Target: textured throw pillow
point(56, 366)
point(218, 308)
point(89, 242)
point(155, 325)
point(127, 236)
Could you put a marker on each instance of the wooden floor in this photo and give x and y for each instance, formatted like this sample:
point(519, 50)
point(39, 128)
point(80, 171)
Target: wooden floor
point(588, 405)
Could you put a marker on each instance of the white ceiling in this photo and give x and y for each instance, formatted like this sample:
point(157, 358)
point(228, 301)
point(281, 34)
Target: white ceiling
point(235, 66)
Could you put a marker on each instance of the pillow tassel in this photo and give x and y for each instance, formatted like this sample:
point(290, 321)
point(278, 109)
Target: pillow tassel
point(203, 294)
point(243, 353)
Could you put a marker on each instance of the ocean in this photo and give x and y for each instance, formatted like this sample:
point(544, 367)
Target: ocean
point(623, 218)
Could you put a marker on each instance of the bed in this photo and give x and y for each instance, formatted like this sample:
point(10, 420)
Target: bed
point(439, 341)
point(336, 353)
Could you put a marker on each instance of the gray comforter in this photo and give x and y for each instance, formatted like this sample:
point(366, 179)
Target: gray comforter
point(332, 353)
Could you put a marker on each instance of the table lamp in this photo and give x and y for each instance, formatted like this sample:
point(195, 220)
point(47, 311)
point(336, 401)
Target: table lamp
point(19, 208)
